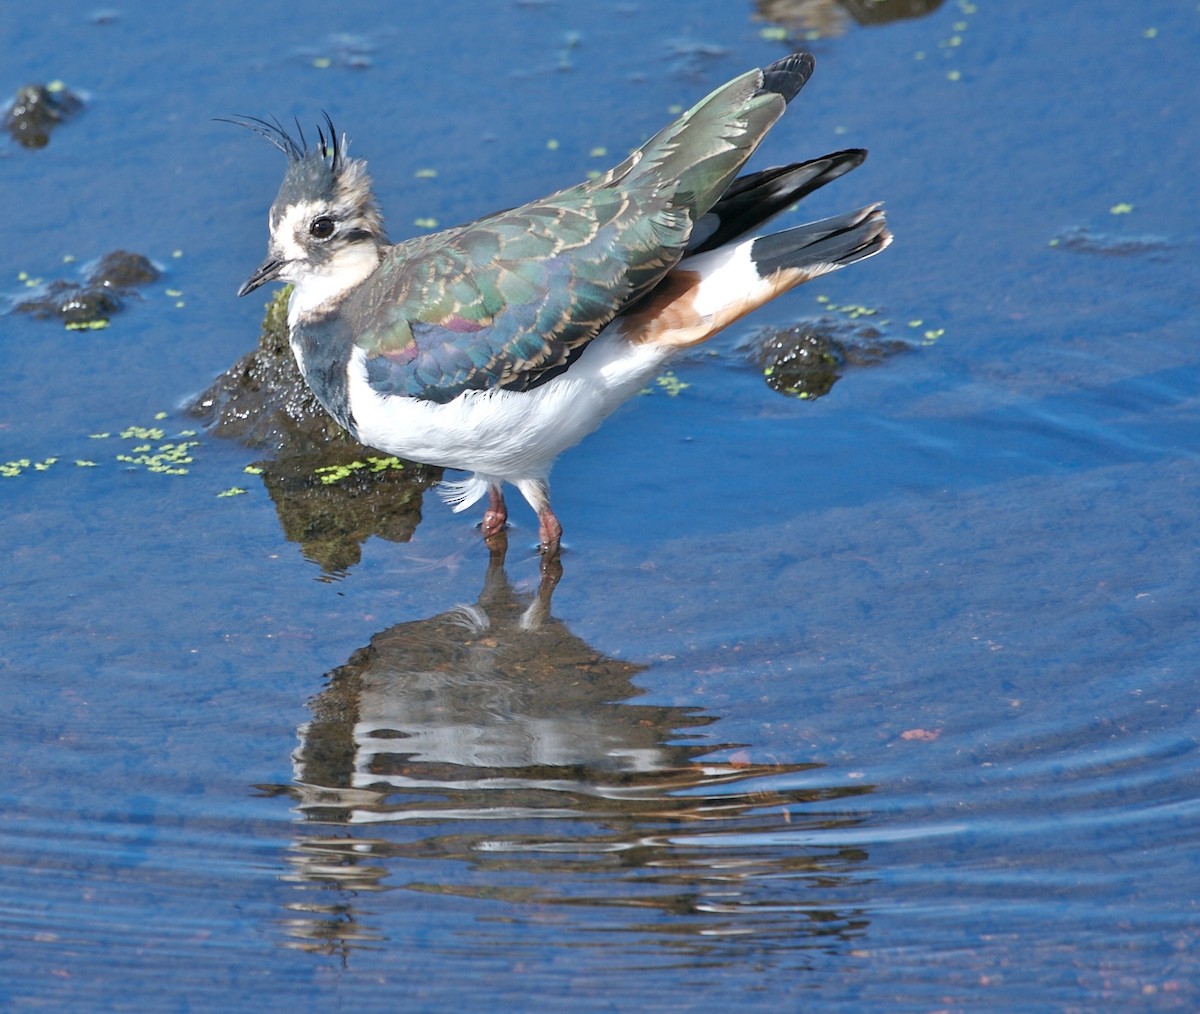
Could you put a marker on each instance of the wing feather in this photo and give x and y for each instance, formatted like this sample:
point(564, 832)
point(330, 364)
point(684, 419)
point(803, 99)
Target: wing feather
point(508, 301)
point(504, 301)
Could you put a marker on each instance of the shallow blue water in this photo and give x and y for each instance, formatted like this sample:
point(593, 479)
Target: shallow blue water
point(883, 701)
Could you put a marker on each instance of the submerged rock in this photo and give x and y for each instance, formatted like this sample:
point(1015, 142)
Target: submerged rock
point(331, 492)
point(37, 109)
point(116, 276)
point(800, 18)
point(807, 359)
point(331, 500)
point(1081, 239)
point(123, 271)
point(262, 400)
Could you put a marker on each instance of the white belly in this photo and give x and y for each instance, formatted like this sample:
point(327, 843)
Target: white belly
point(508, 435)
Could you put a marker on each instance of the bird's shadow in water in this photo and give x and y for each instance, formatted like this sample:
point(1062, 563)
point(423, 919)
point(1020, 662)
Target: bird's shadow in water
point(487, 752)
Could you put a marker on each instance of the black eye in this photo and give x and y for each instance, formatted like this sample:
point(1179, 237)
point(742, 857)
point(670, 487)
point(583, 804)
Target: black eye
point(321, 228)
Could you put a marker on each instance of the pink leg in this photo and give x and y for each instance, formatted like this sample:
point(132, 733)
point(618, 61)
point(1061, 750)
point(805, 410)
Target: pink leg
point(496, 515)
point(550, 533)
point(537, 492)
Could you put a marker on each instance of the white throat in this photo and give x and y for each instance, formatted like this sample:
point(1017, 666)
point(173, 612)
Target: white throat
point(316, 286)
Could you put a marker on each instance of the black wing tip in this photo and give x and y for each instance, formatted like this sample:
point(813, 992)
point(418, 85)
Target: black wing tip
point(787, 76)
point(840, 240)
point(852, 158)
point(755, 198)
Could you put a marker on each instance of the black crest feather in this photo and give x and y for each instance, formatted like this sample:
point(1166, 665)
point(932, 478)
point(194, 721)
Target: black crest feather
point(295, 148)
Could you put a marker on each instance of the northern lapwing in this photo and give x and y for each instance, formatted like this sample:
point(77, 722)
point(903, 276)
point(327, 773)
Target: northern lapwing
point(492, 347)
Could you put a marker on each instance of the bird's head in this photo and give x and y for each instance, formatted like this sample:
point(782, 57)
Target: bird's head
point(326, 230)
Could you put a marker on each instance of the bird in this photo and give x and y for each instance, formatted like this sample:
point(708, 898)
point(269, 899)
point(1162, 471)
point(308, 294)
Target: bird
point(494, 346)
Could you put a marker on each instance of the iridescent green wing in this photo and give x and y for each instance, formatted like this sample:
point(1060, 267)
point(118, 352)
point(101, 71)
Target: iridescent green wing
point(505, 301)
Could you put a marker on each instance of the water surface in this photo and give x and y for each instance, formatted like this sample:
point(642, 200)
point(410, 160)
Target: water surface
point(880, 701)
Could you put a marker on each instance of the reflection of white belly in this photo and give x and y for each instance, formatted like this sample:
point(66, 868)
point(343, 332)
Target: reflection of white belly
point(507, 434)
point(436, 719)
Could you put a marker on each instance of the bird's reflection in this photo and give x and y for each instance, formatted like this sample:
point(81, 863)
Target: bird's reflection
point(487, 752)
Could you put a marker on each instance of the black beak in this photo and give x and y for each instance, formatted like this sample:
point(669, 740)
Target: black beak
point(267, 271)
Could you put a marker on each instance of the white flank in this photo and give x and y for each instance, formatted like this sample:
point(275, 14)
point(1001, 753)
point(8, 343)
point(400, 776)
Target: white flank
point(509, 436)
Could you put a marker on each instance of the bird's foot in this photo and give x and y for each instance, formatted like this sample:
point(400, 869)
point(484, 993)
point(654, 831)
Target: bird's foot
point(495, 518)
point(493, 523)
point(550, 533)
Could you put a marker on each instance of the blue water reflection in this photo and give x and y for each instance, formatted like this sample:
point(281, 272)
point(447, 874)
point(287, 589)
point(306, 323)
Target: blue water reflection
point(492, 738)
point(883, 701)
